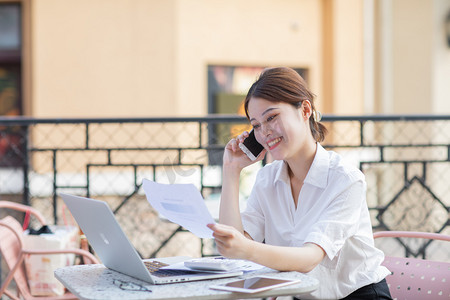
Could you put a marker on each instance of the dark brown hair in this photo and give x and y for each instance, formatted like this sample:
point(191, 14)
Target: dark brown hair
point(284, 84)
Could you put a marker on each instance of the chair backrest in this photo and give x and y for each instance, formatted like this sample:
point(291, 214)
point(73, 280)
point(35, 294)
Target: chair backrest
point(413, 278)
point(23, 208)
point(11, 247)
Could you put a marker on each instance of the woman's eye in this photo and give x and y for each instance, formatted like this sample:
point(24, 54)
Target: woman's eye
point(256, 126)
point(271, 118)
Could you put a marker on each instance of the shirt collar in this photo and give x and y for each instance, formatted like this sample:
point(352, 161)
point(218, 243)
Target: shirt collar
point(317, 174)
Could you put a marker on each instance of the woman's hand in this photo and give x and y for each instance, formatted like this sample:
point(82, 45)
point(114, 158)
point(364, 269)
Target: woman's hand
point(230, 242)
point(234, 157)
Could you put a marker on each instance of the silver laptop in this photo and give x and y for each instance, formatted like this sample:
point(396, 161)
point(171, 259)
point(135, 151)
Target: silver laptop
point(116, 252)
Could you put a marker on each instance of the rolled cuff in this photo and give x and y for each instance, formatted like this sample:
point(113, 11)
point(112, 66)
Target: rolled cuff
point(253, 230)
point(330, 248)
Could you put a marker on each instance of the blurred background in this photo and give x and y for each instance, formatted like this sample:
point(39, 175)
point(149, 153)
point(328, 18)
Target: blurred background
point(107, 92)
point(147, 58)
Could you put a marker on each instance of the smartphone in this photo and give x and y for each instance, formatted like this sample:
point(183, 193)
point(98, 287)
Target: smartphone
point(251, 147)
point(255, 284)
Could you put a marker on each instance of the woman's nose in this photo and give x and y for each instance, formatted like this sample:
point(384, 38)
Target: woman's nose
point(266, 129)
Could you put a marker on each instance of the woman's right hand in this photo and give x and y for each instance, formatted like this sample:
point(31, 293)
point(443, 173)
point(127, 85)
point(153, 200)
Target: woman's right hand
point(234, 157)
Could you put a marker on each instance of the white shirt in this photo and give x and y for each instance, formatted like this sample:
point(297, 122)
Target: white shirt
point(331, 212)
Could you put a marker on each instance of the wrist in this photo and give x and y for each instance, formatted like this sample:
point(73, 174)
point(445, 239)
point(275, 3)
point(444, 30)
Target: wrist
point(231, 170)
point(250, 249)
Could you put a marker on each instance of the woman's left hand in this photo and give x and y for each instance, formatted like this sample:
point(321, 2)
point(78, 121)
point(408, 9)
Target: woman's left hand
point(230, 242)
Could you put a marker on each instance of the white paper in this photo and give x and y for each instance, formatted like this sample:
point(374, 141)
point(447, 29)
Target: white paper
point(182, 204)
point(242, 265)
point(182, 267)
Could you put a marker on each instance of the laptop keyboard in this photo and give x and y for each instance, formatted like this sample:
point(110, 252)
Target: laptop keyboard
point(155, 266)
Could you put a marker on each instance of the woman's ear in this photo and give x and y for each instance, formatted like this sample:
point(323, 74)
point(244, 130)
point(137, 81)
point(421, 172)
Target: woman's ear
point(306, 109)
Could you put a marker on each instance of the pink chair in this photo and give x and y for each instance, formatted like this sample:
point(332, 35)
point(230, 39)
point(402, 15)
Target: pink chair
point(414, 278)
point(25, 209)
point(13, 253)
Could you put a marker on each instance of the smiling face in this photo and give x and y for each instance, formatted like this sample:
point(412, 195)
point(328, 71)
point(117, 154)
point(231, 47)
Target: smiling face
point(280, 127)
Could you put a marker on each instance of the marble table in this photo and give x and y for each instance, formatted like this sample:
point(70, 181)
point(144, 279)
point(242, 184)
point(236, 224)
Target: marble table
point(99, 282)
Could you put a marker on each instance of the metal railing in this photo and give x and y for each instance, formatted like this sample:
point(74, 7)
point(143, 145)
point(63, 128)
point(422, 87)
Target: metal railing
point(406, 161)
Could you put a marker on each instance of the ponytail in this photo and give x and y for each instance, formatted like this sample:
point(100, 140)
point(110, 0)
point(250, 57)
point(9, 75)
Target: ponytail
point(318, 130)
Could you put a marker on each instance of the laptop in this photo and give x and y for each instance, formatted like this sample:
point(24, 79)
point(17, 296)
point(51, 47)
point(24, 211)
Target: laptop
point(98, 223)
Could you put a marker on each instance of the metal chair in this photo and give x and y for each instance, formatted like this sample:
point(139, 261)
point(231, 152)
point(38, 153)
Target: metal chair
point(25, 209)
point(36, 214)
point(413, 278)
point(13, 253)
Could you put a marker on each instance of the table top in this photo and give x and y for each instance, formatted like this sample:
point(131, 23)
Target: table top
point(99, 282)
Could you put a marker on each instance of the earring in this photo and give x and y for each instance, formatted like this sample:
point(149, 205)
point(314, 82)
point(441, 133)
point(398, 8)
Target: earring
point(317, 115)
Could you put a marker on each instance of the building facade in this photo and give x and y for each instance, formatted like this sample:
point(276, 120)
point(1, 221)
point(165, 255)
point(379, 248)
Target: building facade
point(146, 58)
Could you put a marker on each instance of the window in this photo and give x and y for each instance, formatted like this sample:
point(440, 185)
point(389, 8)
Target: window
point(227, 88)
point(10, 81)
point(10, 46)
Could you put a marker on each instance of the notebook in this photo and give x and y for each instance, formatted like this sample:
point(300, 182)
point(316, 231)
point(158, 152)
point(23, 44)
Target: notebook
point(98, 223)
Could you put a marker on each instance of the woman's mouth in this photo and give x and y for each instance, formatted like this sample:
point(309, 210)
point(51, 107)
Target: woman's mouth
point(273, 143)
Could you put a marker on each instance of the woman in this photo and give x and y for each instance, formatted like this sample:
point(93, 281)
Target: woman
point(307, 211)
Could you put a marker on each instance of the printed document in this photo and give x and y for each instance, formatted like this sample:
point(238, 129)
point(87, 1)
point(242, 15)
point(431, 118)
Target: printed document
point(181, 204)
point(241, 265)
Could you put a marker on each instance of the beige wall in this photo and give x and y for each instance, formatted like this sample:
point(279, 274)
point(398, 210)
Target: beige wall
point(248, 33)
point(144, 58)
point(412, 56)
point(348, 74)
point(413, 60)
point(103, 58)
point(149, 58)
point(441, 59)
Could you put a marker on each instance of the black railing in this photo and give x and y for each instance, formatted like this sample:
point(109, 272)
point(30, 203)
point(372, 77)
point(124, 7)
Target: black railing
point(406, 160)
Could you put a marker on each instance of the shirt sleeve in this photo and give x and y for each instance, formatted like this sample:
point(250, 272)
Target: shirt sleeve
point(341, 218)
point(253, 217)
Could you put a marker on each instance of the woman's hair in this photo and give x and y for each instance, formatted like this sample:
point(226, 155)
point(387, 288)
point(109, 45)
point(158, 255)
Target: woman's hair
point(286, 85)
